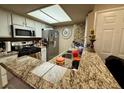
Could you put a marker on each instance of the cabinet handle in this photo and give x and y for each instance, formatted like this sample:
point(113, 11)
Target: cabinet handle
point(24, 23)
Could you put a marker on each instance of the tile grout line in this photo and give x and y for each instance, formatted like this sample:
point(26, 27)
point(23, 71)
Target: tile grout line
point(47, 71)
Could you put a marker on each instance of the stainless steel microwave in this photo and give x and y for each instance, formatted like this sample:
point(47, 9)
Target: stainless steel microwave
point(22, 32)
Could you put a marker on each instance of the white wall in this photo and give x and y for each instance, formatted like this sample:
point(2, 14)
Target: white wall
point(64, 44)
point(77, 35)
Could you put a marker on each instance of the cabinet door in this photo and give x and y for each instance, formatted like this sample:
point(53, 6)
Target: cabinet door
point(45, 26)
point(3, 77)
point(5, 22)
point(18, 20)
point(4, 80)
point(3, 71)
point(38, 29)
point(43, 54)
point(29, 23)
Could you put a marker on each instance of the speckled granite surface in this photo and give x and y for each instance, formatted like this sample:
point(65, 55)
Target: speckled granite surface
point(21, 66)
point(92, 73)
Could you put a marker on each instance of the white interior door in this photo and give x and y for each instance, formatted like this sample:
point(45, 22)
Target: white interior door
point(109, 28)
point(121, 33)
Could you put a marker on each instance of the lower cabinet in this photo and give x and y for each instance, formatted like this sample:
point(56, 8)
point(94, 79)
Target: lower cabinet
point(9, 81)
point(43, 54)
point(3, 77)
point(4, 80)
point(16, 83)
point(36, 55)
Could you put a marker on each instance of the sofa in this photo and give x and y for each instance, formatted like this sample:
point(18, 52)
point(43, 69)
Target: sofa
point(116, 67)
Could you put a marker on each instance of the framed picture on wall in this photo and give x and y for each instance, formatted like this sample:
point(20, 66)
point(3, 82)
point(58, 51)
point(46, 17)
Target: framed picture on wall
point(66, 33)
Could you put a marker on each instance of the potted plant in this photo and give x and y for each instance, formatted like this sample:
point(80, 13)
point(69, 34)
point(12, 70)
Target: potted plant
point(92, 40)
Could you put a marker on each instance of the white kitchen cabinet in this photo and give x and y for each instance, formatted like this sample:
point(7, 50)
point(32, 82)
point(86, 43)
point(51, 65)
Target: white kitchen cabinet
point(7, 19)
point(18, 20)
point(44, 26)
point(30, 23)
point(38, 29)
point(16, 83)
point(48, 26)
point(43, 54)
point(3, 77)
point(3, 71)
point(0, 79)
point(5, 22)
point(4, 80)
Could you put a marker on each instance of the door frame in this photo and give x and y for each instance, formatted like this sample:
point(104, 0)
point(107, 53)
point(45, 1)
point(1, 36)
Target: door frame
point(105, 10)
point(102, 11)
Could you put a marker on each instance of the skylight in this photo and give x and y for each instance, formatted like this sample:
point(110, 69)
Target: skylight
point(52, 14)
point(40, 15)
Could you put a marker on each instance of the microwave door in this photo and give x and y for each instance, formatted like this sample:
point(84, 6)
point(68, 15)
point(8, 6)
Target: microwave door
point(22, 32)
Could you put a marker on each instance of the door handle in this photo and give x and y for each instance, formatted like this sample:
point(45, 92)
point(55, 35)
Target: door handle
point(54, 43)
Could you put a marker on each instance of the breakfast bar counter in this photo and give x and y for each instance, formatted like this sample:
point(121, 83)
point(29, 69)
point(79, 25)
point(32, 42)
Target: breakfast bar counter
point(92, 73)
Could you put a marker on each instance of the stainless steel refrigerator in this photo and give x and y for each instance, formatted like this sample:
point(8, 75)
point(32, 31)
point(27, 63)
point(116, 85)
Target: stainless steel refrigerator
point(52, 46)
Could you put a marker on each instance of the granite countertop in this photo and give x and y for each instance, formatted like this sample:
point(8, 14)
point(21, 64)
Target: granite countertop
point(6, 54)
point(92, 73)
point(21, 66)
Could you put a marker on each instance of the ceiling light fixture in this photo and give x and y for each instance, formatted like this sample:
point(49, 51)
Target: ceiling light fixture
point(52, 14)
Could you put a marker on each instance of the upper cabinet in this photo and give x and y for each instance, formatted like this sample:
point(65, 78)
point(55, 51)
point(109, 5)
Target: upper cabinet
point(38, 29)
point(5, 22)
point(30, 23)
point(18, 20)
point(43, 26)
point(7, 19)
point(46, 27)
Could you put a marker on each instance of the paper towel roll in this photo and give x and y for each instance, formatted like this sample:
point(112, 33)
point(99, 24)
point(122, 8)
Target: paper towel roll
point(8, 46)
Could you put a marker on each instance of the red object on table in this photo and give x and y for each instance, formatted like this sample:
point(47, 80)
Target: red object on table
point(77, 59)
point(75, 53)
point(60, 59)
point(75, 63)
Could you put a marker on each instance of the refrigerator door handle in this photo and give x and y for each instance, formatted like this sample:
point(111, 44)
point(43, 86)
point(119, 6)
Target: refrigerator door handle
point(54, 43)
